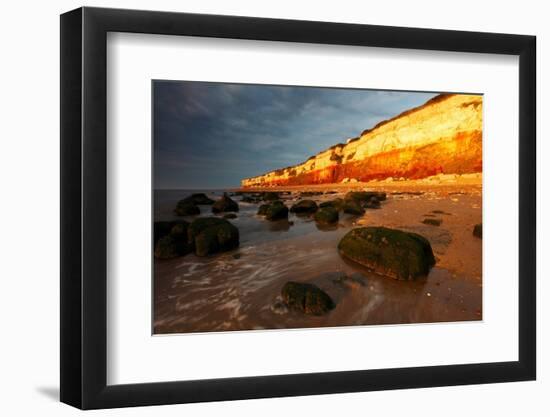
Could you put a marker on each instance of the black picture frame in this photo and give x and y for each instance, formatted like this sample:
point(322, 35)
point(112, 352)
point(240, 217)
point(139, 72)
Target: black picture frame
point(84, 207)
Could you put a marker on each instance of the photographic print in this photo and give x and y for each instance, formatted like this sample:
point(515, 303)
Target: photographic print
point(285, 207)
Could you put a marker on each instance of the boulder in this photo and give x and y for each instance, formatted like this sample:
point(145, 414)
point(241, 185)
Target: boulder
point(174, 243)
point(337, 203)
point(161, 229)
point(364, 196)
point(262, 210)
point(394, 253)
point(166, 248)
point(306, 298)
point(230, 216)
point(326, 215)
point(353, 207)
point(186, 208)
point(373, 203)
point(250, 199)
point(225, 204)
point(270, 196)
point(276, 211)
point(210, 235)
point(478, 231)
point(381, 196)
point(304, 207)
point(197, 198)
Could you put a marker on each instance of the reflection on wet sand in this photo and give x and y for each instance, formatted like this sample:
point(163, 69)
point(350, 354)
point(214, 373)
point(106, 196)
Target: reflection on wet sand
point(241, 289)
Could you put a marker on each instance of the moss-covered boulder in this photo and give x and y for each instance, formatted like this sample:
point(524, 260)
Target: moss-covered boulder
point(189, 205)
point(225, 204)
point(304, 207)
point(337, 203)
point(210, 235)
point(276, 211)
point(365, 196)
point(166, 248)
point(174, 243)
point(360, 196)
point(326, 215)
point(394, 253)
point(373, 203)
point(197, 198)
point(478, 231)
point(306, 298)
point(262, 210)
point(381, 196)
point(353, 207)
point(270, 196)
point(186, 208)
point(250, 199)
point(161, 229)
point(354, 195)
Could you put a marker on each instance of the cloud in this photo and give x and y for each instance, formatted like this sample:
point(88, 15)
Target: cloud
point(211, 135)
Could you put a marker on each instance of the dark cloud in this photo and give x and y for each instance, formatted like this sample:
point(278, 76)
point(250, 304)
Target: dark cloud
point(211, 135)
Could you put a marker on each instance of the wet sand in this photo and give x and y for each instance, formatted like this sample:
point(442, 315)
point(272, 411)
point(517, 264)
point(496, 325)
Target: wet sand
point(240, 289)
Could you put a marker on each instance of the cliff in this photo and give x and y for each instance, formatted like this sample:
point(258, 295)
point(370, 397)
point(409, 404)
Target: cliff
point(441, 136)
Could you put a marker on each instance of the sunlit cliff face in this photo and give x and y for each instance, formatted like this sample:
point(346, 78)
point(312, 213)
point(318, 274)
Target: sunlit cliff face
point(441, 136)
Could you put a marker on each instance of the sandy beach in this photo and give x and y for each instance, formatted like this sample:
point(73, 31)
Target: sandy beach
point(241, 289)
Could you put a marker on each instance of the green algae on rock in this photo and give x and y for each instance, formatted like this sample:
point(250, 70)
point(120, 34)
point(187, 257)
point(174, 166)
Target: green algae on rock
point(337, 203)
point(276, 211)
point(391, 252)
point(173, 243)
point(186, 208)
point(364, 196)
point(353, 207)
point(306, 298)
point(251, 199)
point(197, 198)
point(326, 215)
point(373, 203)
point(162, 228)
point(225, 204)
point(270, 196)
point(210, 235)
point(262, 210)
point(304, 207)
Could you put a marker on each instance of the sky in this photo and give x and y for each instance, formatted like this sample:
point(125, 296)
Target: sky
point(212, 135)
